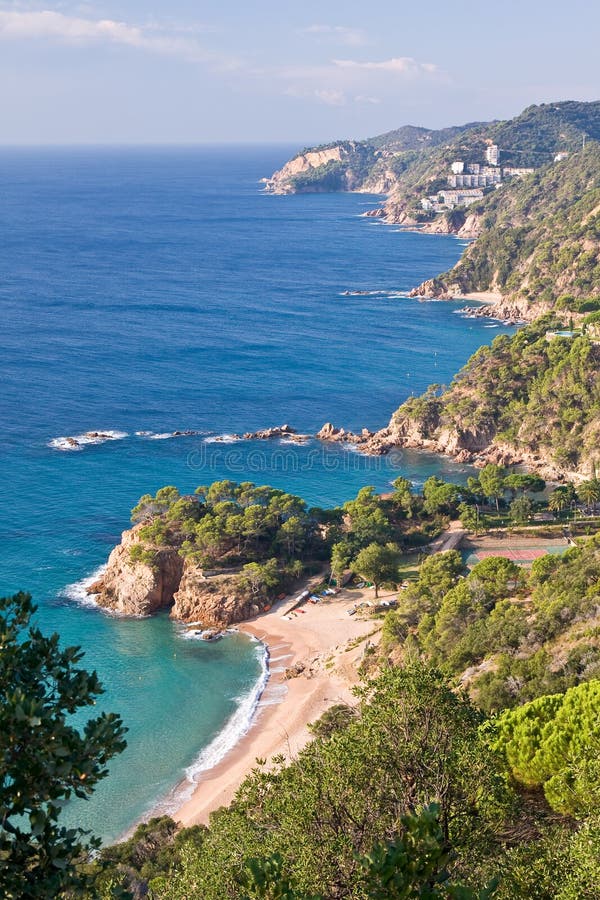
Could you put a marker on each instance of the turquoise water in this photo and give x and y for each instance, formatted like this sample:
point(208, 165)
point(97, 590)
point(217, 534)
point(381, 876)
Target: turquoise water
point(146, 290)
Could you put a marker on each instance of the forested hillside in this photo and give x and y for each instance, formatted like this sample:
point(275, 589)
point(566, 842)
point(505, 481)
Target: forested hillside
point(539, 239)
point(524, 398)
point(423, 789)
point(410, 159)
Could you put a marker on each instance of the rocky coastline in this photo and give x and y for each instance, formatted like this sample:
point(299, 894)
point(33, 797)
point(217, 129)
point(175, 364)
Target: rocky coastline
point(492, 304)
point(402, 432)
point(132, 586)
point(141, 580)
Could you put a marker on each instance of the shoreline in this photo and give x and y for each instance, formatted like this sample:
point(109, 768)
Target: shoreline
point(314, 643)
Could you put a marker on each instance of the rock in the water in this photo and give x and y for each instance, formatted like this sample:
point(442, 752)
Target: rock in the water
point(138, 588)
point(265, 434)
point(215, 601)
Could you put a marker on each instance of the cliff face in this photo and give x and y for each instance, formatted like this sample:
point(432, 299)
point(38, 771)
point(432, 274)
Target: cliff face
point(524, 400)
point(138, 588)
point(284, 180)
point(216, 601)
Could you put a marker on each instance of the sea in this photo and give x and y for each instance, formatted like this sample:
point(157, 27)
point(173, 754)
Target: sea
point(147, 291)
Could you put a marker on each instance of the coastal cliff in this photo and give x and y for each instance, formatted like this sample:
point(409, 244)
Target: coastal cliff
point(138, 588)
point(533, 399)
point(337, 167)
point(214, 558)
point(535, 239)
point(216, 601)
point(142, 586)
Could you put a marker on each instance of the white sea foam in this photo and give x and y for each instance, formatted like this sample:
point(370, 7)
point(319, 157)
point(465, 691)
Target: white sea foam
point(359, 293)
point(79, 441)
point(222, 439)
point(235, 728)
point(274, 695)
point(195, 632)
point(296, 443)
point(77, 592)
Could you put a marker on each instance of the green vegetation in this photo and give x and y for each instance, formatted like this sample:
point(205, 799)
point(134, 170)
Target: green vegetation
point(540, 237)
point(45, 758)
point(352, 816)
point(550, 743)
point(520, 636)
point(538, 396)
point(540, 131)
point(266, 537)
point(378, 564)
point(353, 794)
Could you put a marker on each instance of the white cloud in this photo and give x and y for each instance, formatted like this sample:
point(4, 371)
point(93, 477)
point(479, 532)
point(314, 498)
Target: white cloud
point(341, 82)
point(352, 37)
point(76, 30)
point(330, 97)
point(400, 65)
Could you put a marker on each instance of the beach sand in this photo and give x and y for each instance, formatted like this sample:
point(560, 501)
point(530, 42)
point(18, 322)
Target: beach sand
point(482, 296)
point(329, 644)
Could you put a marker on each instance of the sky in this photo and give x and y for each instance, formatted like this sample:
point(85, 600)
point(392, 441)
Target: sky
point(305, 72)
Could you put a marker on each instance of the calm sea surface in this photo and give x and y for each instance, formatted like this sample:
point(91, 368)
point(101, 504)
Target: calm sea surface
point(161, 290)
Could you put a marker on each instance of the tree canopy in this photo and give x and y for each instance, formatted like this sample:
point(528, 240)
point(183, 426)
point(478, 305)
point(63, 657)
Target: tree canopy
point(45, 757)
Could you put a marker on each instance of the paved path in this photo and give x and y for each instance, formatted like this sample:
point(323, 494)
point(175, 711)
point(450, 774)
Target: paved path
point(449, 539)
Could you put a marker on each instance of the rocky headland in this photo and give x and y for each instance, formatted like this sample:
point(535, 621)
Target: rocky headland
point(133, 586)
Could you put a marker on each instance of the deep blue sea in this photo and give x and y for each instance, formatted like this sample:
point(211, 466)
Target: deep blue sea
point(153, 290)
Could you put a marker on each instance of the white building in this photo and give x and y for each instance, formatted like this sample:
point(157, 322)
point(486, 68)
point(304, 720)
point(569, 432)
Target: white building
point(492, 154)
point(474, 181)
point(560, 156)
point(460, 197)
point(516, 172)
point(477, 169)
point(458, 167)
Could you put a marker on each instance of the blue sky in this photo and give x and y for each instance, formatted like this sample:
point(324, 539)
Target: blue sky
point(302, 72)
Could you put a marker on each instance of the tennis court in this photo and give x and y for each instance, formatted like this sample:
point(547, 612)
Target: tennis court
point(521, 550)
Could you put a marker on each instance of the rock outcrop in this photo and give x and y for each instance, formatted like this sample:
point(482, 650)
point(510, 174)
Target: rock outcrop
point(330, 434)
point(434, 289)
point(472, 227)
point(278, 431)
point(282, 181)
point(215, 602)
point(138, 587)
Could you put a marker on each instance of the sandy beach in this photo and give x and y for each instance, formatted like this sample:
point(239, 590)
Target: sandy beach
point(490, 297)
point(324, 644)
